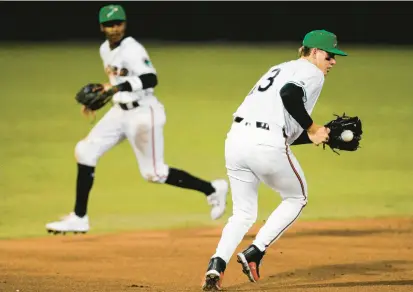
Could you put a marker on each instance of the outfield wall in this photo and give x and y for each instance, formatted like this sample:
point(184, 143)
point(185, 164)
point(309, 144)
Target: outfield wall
point(269, 21)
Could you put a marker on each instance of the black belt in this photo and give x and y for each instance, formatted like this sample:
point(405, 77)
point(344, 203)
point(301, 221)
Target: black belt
point(129, 105)
point(260, 125)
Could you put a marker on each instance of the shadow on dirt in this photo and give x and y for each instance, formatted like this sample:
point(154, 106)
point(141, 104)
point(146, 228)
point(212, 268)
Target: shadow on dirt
point(297, 279)
point(357, 284)
point(338, 233)
point(328, 232)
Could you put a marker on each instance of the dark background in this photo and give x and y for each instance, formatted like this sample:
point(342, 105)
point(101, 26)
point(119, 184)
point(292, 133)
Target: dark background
point(352, 21)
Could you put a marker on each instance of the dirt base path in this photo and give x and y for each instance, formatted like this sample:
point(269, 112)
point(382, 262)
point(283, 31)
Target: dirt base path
point(366, 255)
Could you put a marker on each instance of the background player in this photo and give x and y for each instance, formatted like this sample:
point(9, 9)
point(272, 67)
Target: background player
point(274, 115)
point(137, 116)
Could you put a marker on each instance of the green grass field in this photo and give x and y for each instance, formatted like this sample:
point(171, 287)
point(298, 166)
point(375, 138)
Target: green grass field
point(201, 86)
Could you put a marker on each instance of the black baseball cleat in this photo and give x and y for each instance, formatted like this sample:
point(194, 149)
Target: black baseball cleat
point(251, 260)
point(214, 275)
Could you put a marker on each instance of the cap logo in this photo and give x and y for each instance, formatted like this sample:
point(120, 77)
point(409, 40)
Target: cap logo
point(335, 43)
point(110, 13)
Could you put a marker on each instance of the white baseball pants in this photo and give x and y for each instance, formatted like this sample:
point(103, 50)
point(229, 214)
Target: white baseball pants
point(141, 126)
point(251, 159)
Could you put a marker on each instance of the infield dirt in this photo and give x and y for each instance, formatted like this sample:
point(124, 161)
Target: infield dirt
point(357, 255)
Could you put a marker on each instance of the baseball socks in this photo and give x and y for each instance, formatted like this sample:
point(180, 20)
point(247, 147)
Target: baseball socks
point(85, 177)
point(182, 179)
point(176, 177)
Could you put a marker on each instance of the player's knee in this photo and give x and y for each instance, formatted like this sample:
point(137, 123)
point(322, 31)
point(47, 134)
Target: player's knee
point(158, 175)
point(153, 178)
point(245, 218)
point(84, 154)
point(299, 200)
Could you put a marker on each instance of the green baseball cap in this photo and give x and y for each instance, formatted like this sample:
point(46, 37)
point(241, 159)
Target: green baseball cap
point(111, 12)
point(323, 40)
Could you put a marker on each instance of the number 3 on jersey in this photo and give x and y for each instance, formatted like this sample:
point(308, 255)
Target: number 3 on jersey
point(270, 81)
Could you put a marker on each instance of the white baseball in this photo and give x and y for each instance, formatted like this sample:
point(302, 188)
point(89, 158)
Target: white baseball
point(347, 135)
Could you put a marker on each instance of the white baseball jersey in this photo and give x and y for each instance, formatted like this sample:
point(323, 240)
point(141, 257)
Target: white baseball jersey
point(125, 63)
point(264, 103)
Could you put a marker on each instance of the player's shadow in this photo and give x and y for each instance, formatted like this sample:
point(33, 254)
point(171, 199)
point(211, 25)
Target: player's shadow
point(325, 232)
point(298, 278)
point(336, 232)
point(354, 284)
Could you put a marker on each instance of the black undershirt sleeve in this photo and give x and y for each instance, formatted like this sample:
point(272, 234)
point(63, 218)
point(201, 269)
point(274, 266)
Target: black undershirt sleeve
point(148, 81)
point(303, 139)
point(125, 86)
point(292, 98)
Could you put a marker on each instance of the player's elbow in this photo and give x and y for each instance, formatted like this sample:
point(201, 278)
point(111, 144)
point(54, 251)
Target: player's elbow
point(86, 153)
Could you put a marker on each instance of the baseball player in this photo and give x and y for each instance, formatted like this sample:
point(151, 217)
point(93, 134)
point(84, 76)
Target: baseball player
point(274, 116)
point(136, 115)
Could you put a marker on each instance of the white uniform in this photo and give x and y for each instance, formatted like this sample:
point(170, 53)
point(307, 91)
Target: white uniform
point(257, 150)
point(142, 126)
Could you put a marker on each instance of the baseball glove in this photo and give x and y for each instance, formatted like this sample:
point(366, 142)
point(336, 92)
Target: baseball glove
point(340, 141)
point(93, 97)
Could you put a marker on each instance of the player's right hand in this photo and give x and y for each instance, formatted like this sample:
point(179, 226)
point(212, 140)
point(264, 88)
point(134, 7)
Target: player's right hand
point(107, 86)
point(87, 112)
point(318, 134)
